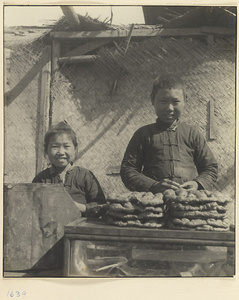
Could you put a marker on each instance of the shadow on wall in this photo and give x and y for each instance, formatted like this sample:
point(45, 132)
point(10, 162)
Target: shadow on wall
point(11, 95)
point(116, 84)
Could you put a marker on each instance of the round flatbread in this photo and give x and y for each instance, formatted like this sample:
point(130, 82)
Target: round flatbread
point(118, 198)
point(218, 223)
point(149, 214)
point(124, 207)
point(129, 223)
point(169, 195)
point(188, 223)
point(198, 196)
point(197, 214)
point(200, 207)
point(201, 227)
point(152, 200)
point(121, 216)
point(154, 209)
point(153, 225)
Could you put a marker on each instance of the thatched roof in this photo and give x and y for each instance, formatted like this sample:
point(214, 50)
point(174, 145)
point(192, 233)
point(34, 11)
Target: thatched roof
point(190, 16)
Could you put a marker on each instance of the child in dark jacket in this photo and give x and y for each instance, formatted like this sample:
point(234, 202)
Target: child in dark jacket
point(168, 154)
point(60, 146)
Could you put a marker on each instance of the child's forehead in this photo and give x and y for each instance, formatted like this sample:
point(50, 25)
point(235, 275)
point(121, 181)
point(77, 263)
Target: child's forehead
point(61, 137)
point(178, 91)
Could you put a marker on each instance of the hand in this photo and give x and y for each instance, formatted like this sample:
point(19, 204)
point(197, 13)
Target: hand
point(95, 209)
point(81, 207)
point(163, 185)
point(190, 185)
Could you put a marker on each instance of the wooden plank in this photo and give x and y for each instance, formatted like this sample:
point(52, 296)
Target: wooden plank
point(124, 33)
point(219, 30)
point(88, 47)
point(149, 240)
point(77, 59)
point(211, 120)
point(71, 17)
point(98, 227)
point(43, 110)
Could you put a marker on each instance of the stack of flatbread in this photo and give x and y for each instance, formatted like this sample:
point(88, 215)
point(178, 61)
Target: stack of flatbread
point(196, 210)
point(138, 209)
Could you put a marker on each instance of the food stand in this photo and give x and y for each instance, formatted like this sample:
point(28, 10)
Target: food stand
point(93, 248)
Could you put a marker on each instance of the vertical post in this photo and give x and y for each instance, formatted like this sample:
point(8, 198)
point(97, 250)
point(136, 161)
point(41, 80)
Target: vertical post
point(55, 54)
point(211, 121)
point(56, 51)
point(43, 108)
point(67, 257)
point(210, 39)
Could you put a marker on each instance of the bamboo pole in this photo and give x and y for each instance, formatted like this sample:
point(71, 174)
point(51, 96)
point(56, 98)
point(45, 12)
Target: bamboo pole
point(43, 109)
point(71, 16)
point(76, 59)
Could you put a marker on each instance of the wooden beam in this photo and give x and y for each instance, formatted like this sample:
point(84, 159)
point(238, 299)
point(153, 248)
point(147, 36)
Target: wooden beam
point(88, 47)
point(219, 30)
point(76, 59)
point(144, 33)
point(124, 33)
point(43, 109)
point(71, 16)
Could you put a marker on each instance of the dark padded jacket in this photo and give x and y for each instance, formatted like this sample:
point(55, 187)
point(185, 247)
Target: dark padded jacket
point(80, 183)
point(157, 152)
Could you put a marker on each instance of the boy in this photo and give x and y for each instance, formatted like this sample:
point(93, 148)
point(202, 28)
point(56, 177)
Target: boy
point(168, 154)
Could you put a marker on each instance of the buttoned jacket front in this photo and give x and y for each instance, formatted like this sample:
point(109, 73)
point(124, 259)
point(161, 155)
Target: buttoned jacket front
point(158, 151)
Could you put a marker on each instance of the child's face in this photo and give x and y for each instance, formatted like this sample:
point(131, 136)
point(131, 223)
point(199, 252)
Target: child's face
point(169, 104)
point(61, 151)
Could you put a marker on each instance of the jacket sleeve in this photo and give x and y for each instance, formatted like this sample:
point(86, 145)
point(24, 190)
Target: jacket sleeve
point(93, 190)
point(132, 165)
point(205, 162)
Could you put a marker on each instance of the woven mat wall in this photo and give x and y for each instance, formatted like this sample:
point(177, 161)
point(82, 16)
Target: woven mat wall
point(104, 122)
point(23, 66)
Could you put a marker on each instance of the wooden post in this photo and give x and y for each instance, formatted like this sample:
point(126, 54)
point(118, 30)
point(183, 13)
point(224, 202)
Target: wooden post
point(56, 51)
point(211, 121)
point(43, 109)
point(55, 54)
point(210, 39)
point(67, 257)
point(71, 16)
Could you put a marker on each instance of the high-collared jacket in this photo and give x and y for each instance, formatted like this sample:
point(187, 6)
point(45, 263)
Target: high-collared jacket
point(80, 183)
point(177, 152)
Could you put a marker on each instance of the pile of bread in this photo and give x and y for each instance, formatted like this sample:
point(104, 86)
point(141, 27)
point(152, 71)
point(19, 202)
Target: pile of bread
point(136, 209)
point(197, 210)
point(180, 209)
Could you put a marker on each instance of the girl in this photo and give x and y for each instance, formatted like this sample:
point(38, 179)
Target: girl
point(60, 146)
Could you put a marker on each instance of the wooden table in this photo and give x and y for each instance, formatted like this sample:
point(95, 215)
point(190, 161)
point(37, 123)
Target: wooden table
point(90, 230)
